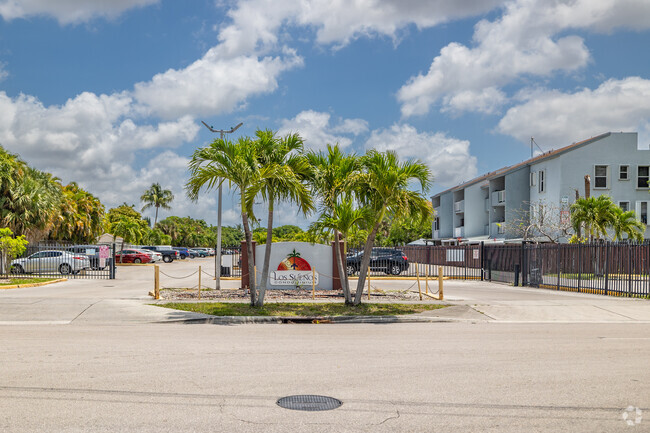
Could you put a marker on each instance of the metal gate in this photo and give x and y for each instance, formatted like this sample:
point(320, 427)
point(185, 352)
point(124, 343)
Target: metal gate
point(57, 260)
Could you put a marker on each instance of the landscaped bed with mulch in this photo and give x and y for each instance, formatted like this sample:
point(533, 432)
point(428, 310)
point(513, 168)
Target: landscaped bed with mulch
point(376, 295)
point(300, 309)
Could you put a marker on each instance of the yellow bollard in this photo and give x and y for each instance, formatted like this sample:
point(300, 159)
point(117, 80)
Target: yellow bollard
point(156, 282)
point(199, 282)
point(313, 283)
point(426, 279)
point(417, 275)
point(440, 296)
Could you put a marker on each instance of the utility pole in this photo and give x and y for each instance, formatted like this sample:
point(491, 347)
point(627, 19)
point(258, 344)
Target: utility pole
point(217, 253)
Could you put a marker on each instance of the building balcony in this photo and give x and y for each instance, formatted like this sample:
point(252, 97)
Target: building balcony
point(499, 198)
point(436, 234)
point(459, 232)
point(498, 228)
point(459, 206)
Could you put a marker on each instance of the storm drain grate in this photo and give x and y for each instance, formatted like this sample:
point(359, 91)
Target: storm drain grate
point(309, 402)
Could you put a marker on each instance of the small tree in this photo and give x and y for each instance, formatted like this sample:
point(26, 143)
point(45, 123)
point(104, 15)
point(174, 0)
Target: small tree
point(10, 247)
point(540, 220)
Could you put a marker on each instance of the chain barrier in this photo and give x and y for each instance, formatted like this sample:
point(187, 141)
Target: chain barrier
point(179, 278)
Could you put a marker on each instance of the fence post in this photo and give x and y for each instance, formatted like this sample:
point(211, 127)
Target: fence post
point(482, 250)
point(579, 265)
point(156, 282)
point(557, 264)
point(199, 282)
point(606, 268)
point(440, 294)
point(112, 266)
point(629, 271)
point(517, 270)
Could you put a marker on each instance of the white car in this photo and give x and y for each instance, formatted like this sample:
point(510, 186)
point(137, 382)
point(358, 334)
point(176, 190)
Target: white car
point(51, 261)
point(155, 255)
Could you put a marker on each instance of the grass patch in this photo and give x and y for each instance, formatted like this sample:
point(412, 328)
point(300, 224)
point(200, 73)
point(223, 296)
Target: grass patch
point(14, 281)
point(298, 309)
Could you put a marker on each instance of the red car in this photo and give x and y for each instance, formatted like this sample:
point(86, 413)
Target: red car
point(132, 256)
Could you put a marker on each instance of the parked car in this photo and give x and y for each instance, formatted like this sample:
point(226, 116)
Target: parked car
point(168, 253)
point(207, 251)
point(388, 260)
point(155, 256)
point(92, 251)
point(132, 256)
point(183, 252)
point(51, 261)
point(198, 252)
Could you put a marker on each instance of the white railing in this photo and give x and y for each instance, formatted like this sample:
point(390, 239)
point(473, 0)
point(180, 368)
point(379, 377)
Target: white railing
point(459, 232)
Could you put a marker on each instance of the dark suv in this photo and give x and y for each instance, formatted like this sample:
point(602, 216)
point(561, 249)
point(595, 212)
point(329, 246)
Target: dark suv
point(388, 260)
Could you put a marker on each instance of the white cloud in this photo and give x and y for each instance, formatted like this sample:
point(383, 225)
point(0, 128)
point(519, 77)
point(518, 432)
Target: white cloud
point(528, 39)
point(68, 11)
point(317, 130)
point(256, 23)
point(556, 119)
point(91, 139)
point(449, 158)
point(213, 85)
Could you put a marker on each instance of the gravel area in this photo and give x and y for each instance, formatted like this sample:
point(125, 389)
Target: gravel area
point(377, 295)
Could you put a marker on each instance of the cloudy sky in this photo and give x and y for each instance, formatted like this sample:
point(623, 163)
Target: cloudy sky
point(111, 93)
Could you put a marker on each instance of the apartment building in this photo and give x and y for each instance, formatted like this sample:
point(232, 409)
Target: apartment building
point(483, 207)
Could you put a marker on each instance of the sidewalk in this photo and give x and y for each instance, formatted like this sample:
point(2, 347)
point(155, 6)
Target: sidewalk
point(124, 301)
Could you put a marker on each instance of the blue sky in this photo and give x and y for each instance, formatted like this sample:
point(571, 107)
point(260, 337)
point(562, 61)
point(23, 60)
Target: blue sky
point(111, 94)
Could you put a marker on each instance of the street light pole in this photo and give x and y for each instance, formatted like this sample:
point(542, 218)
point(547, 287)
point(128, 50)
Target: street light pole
point(217, 253)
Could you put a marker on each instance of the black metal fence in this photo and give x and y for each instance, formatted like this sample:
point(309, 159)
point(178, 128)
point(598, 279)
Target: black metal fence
point(54, 260)
point(608, 268)
point(231, 262)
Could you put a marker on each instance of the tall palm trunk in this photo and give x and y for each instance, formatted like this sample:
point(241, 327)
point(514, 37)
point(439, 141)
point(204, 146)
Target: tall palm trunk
point(249, 249)
point(342, 270)
point(365, 262)
point(156, 218)
point(267, 255)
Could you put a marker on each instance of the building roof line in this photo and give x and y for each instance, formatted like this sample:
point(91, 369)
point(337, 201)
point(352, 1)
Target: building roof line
point(505, 170)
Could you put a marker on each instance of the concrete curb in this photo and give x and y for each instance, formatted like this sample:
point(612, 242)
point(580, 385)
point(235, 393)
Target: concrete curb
point(44, 283)
point(241, 320)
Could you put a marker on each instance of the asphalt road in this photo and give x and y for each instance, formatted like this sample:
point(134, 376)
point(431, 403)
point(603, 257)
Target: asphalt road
point(447, 377)
point(84, 356)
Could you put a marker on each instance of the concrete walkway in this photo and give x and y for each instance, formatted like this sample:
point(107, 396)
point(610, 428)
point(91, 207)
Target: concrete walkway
point(125, 301)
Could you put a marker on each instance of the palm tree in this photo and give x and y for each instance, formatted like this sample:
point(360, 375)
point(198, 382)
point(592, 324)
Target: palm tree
point(342, 220)
point(332, 172)
point(382, 187)
point(594, 214)
point(282, 174)
point(158, 198)
point(129, 229)
point(626, 222)
point(238, 163)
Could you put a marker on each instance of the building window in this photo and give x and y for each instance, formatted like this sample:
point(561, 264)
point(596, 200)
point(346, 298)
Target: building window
point(624, 172)
point(533, 179)
point(600, 176)
point(624, 205)
point(642, 176)
point(642, 208)
point(542, 180)
point(436, 223)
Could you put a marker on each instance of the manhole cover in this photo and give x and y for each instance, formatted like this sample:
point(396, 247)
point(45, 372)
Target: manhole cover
point(309, 402)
